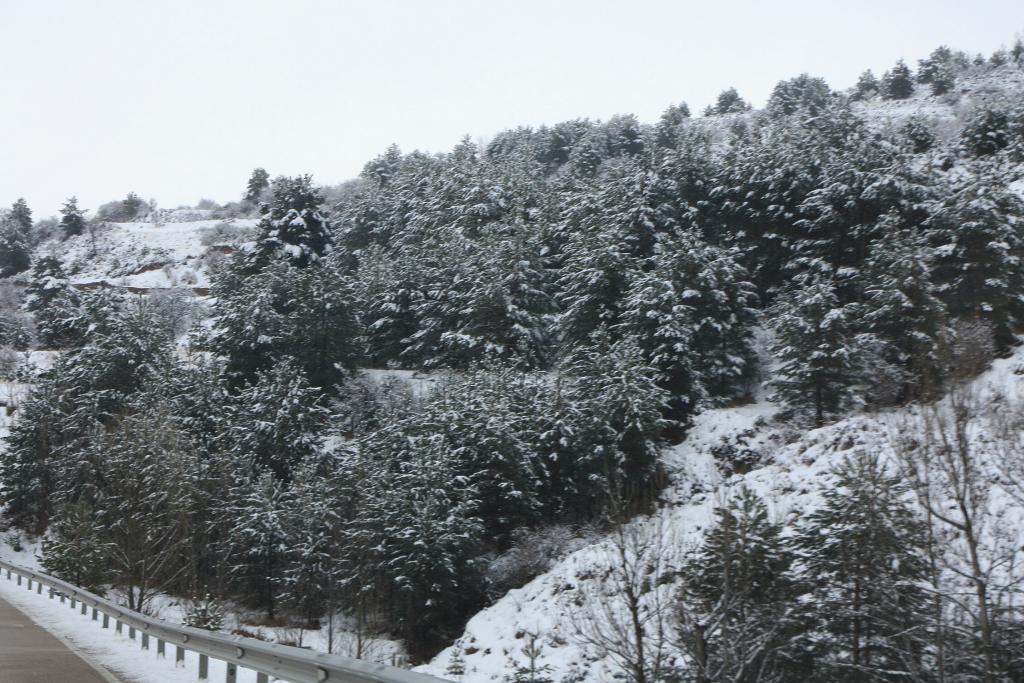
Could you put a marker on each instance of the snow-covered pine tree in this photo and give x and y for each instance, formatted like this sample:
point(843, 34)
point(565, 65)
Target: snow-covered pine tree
point(254, 538)
point(864, 553)
point(271, 423)
point(668, 127)
point(728, 102)
point(867, 86)
point(420, 520)
point(292, 225)
point(72, 220)
point(205, 613)
point(622, 407)
point(804, 93)
point(978, 236)
point(15, 246)
point(53, 303)
point(740, 609)
point(820, 369)
point(314, 571)
point(22, 215)
point(481, 432)
point(280, 311)
point(259, 181)
point(902, 310)
point(897, 83)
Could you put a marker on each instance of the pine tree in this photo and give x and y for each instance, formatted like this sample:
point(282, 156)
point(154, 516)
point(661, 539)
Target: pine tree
point(803, 93)
point(281, 311)
point(292, 225)
point(986, 132)
point(22, 215)
point(820, 366)
point(420, 520)
point(205, 613)
point(902, 309)
point(740, 614)
point(15, 246)
point(272, 423)
point(258, 182)
point(977, 234)
point(621, 406)
point(54, 304)
point(867, 86)
point(668, 127)
point(863, 551)
point(72, 220)
point(728, 102)
point(255, 537)
point(897, 83)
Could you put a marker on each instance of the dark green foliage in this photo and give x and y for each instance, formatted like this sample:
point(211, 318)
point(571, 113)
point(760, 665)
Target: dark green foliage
point(728, 102)
point(22, 215)
point(940, 68)
point(864, 553)
point(867, 86)
point(919, 135)
point(284, 311)
point(420, 520)
point(72, 219)
point(87, 390)
point(292, 225)
point(259, 181)
point(820, 371)
point(740, 613)
point(55, 305)
point(801, 94)
point(977, 235)
point(72, 553)
point(897, 83)
point(668, 127)
point(987, 132)
point(15, 246)
point(903, 311)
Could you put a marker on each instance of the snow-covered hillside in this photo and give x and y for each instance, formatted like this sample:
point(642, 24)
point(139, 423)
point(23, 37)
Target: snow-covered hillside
point(148, 255)
point(550, 614)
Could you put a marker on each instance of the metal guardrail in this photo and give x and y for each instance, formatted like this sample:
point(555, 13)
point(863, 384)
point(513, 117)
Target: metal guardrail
point(284, 662)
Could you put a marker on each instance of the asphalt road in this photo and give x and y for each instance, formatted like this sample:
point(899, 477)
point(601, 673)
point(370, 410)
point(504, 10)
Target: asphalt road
point(31, 654)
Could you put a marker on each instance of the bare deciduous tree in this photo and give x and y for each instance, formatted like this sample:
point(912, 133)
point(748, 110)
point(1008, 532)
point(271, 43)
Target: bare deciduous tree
point(947, 453)
point(627, 618)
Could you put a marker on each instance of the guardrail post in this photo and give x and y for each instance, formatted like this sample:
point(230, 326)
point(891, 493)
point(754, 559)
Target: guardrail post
point(179, 656)
point(145, 641)
point(160, 651)
point(262, 678)
point(30, 584)
point(62, 596)
point(19, 579)
point(8, 574)
point(39, 588)
point(232, 674)
point(95, 613)
point(106, 620)
point(204, 667)
point(131, 632)
point(118, 627)
point(74, 604)
point(85, 608)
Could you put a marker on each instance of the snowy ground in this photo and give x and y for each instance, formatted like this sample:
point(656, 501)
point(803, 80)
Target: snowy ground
point(144, 255)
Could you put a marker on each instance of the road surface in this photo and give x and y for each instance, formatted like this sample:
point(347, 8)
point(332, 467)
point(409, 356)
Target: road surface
point(31, 654)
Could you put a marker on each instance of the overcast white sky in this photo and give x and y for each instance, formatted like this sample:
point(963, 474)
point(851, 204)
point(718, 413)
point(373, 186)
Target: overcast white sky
point(181, 99)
